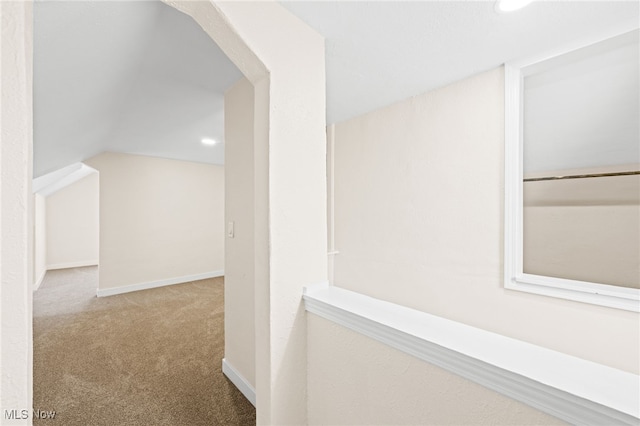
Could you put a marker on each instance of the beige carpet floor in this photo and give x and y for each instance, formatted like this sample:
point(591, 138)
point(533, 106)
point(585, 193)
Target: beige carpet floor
point(151, 357)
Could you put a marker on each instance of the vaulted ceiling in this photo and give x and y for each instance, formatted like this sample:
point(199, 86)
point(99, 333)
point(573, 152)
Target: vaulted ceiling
point(140, 77)
point(125, 76)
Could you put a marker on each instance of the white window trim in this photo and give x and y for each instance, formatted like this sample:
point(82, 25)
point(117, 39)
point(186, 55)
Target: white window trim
point(515, 278)
point(567, 387)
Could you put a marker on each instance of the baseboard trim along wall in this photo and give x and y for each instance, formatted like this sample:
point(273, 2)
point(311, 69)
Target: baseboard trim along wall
point(102, 292)
point(39, 280)
point(79, 264)
point(567, 387)
point(239, 381)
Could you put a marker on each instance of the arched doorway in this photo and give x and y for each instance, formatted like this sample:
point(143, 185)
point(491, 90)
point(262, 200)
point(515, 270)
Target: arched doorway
point(284, 60)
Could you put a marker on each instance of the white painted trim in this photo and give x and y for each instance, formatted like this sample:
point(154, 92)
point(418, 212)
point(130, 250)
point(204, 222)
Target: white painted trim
point(331, 210)
point(39, 280)
point(239, 381)
point(78, 264)
point(53, 182)
point(592, 38)
point(160, 283)
point(43, 181)
point(570, 388)
point(514, 276)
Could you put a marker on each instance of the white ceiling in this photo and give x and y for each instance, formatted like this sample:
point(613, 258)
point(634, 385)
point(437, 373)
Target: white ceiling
point(136, 77)
point(381, 52)
point(140, 77)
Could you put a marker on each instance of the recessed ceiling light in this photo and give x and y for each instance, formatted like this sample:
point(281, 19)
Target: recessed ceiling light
point(511, 5)
point(207, 141)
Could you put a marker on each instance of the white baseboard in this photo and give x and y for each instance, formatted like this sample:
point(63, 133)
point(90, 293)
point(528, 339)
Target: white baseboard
point(239, 381)
point(78, 264)
point(161, 283)
point(39, 280)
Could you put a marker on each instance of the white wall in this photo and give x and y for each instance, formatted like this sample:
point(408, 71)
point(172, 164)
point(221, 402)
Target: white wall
point(239, 294)
point(419, 222)
point(72, 224)
point(16, 209)
point(39, 239)
point(159, 219)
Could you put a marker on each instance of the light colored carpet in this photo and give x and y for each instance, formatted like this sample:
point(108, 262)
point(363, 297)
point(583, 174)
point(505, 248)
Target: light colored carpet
point(151, 357)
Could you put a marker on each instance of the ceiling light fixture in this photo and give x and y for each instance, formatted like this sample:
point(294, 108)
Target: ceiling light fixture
point(503, 6)
point(207, 141)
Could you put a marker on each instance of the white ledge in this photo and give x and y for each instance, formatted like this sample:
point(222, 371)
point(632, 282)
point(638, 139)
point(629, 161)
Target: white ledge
point(570, 388)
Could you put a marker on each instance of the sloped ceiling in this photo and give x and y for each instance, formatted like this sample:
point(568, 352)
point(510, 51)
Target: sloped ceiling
point(380, 52)
point(582, 110)
point(136, 77)
point(140, 77)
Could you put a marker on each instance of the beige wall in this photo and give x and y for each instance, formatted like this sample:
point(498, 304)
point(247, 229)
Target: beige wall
point(359, 381)
point(39, 239)
point(72, 224)
point(419, 222)
point(159, 219)
point(239, 294)
point(287, 70)
point(584, 229)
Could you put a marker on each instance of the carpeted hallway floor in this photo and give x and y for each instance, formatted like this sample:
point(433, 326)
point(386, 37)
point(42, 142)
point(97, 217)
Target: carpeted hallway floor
point(151, 357)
